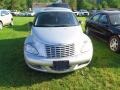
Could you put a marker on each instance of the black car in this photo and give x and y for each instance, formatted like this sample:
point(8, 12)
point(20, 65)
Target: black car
point(106, 25)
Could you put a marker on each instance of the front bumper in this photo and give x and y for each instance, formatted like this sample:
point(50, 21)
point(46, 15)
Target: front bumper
point(85, 14)
point(45, 64)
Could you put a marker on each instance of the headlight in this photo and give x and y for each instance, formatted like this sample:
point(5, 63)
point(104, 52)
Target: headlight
point(31, 49)
point(86, 47)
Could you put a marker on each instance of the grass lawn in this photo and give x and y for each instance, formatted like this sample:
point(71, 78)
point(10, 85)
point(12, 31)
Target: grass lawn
point(103, 73)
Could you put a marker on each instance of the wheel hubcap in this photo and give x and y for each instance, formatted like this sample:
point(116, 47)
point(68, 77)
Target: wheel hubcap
point(114, 44)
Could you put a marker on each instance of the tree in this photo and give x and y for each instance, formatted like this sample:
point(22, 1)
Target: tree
point(105, 4)
point(99, 7)
point(85, 4)
point(1, 3)
point(73, 4)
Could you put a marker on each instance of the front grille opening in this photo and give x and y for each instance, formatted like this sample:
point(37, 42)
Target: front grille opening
point(36, 66)
point(58, 51)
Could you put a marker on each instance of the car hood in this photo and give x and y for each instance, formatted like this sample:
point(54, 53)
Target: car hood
point(55, 35)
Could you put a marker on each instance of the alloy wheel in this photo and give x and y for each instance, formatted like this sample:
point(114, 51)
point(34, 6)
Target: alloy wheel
point(114, 44)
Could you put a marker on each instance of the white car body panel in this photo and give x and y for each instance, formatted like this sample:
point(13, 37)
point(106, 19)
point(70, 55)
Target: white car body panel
point(7, 18)
point(83, 13)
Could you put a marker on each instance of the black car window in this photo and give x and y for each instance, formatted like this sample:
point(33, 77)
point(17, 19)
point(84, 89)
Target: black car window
point(115, 19)
point(95, 18)
point(103, 19)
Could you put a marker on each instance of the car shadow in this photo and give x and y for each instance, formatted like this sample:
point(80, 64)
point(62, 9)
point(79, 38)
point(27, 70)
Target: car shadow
point(103, 57)
point(13, 70)
point(15, 73)
point(25, 27)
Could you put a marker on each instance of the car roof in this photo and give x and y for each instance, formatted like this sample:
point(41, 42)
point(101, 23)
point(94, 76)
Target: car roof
point(64, 5)
point(108, 12)
point(4, 10)
point(55, 9)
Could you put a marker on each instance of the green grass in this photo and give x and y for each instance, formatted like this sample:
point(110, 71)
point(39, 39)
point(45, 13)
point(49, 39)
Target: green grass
point(103, 73)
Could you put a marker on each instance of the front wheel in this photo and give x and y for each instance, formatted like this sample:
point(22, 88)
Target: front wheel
point(1, 26)
point(114, 43)
point(11, 23)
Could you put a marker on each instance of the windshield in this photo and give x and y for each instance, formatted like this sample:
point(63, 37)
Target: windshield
point(115, 19)
point(84, 10)
point(56, 19)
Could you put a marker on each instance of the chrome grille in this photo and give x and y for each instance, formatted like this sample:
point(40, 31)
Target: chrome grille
point(58, 51)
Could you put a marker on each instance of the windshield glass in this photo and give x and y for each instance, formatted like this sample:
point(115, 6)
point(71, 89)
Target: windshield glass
point(84, 10)
point(56, 19)
point(115, 19)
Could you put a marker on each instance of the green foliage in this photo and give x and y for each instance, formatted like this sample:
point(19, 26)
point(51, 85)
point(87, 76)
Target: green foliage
point(84, 4)
point(13, 4)
point(74, 4)
point(93, 4)
point(1, 3)
point(104, 4)
point(99, 7)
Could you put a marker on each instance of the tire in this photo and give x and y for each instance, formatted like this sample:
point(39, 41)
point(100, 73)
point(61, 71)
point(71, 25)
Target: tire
point(11, 24)
point(87, 31)
point(114, 44)
point(1, 26)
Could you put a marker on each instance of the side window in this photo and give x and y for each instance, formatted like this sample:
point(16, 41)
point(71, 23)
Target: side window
point(103, 19)
point(6, 12)
point(3, 13)
point(95, 18)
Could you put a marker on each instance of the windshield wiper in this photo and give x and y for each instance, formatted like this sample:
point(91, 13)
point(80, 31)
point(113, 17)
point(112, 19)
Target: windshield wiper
point(47, 25)
point(44, 25)
point(62, 25)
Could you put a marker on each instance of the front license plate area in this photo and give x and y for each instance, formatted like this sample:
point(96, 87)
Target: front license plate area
point(60, 65)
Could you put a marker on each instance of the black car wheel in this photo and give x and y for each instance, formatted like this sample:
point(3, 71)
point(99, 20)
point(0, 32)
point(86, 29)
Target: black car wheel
point(11, 23)
point(114, 43)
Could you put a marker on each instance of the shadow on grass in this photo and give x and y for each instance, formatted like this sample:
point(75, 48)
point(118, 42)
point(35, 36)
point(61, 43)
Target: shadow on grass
point(15, 73)
point(13, 70)
point(24, 27)
point(103, 57)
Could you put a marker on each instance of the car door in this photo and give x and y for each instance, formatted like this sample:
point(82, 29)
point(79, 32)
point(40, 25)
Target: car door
point(8, 16)
point(92, 24)
point(103, 27)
